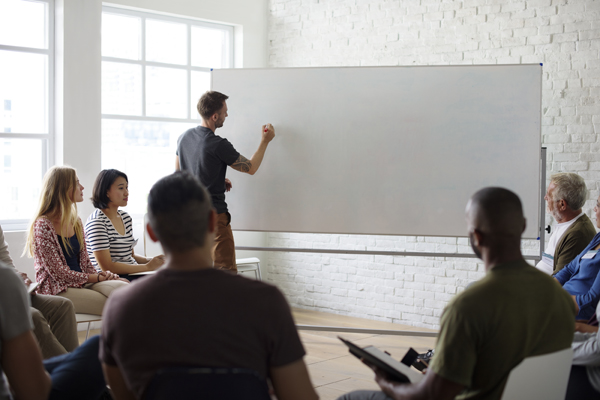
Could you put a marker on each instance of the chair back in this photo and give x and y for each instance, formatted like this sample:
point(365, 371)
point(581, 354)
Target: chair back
point(185, 383)
point(540, 377)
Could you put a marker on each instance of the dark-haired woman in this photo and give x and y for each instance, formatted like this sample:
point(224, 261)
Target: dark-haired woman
point(109, 232)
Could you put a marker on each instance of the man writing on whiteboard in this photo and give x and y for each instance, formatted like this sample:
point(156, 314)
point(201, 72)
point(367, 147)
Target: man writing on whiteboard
point(207, 155)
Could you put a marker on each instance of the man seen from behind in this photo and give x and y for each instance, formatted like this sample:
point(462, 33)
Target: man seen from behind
point(207, 155)
point(514, 312)
point(190, 314)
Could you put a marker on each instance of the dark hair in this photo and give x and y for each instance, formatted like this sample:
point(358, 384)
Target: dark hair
point(104, 181)
point(178, 211)
point(210, 103)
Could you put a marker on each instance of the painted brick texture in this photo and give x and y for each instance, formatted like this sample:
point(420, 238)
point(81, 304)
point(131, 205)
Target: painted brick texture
point(563, 35)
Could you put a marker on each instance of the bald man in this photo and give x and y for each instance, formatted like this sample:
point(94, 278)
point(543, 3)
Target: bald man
point(514, 312)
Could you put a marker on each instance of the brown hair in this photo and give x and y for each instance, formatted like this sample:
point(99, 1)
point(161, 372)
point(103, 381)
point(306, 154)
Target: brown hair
point(210, 103)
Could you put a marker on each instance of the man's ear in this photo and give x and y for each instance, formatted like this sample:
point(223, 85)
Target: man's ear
point(214, 117)
point(477, 237)
point(562, 205)
point(212, 221)
point(151, 233)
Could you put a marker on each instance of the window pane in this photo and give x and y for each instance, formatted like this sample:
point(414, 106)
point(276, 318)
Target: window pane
point(200, 84)
point(210, 47)
point(121, 36)
point(166, 92)
point(23, 92)
point(121, 88)
point(166, 42)
point(145, 151)
point(23, 23)
point(21, 177)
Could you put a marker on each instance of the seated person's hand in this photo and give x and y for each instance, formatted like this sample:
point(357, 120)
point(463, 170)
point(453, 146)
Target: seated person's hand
point(156, 263)
point(585, 328)
point(108, 276)
point(25, 278)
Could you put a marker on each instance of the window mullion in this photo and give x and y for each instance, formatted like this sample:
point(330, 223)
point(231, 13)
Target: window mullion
point(189, 70)
point(143, 53)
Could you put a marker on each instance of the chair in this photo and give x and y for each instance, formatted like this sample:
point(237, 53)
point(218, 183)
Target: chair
point(249, 265)
point(185, 383)
point(89, 318)
point(540, 377)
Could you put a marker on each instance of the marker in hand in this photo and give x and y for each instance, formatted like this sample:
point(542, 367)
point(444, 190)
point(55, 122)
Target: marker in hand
point(267, 127)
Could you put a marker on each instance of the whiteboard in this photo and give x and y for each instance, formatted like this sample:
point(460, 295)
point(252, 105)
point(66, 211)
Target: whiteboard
point(381, 150)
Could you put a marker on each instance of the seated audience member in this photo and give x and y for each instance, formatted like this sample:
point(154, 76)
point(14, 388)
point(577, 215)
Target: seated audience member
point(76, 375)
point(109, 232)
point(584, 381)
point(56, 242)
point(581, 278)
point(55, 327)
point(514, 312)
point(573, 230)
point(200, 316)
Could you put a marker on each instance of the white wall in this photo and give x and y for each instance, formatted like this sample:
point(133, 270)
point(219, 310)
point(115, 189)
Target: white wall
point(78, 75)
point(563, 35)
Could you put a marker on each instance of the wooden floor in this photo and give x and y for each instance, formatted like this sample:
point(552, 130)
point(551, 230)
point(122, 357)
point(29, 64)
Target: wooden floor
point(333, 370)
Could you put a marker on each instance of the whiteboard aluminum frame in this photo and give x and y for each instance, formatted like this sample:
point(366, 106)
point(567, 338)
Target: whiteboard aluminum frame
point(229, 82)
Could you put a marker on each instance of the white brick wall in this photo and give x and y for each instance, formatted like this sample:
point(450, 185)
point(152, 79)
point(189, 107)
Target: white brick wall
point(564, 35)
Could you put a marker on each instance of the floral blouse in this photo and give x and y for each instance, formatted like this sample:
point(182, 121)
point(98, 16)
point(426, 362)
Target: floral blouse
point(51, 270)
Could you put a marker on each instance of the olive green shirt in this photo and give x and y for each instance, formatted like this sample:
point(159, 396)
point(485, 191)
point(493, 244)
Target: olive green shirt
point(573, 242)
point(514, 312)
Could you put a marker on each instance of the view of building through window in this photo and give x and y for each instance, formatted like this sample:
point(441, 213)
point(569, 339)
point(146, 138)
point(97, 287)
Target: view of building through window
point(154, 70)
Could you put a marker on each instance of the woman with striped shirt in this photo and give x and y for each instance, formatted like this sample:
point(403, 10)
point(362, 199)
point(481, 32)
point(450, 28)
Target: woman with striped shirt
point(109, 232)
point(56, 242)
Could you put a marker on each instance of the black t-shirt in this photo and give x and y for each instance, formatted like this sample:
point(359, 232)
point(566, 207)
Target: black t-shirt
point(71, 255)
point(207, 156)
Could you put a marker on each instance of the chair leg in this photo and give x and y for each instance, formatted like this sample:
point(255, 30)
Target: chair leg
point(258, 271)
point(88, 331)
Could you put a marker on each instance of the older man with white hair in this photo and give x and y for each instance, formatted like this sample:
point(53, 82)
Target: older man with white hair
point(573, 230)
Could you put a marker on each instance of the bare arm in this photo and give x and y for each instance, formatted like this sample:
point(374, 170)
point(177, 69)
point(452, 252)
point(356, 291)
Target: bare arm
point(431, 387)
point(115, 380)
point(291, 382)
point(106, 264)
point(177, 167)
point(22, 364)
point(242, 164)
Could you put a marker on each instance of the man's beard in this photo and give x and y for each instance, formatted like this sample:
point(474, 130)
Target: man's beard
point(475, 250)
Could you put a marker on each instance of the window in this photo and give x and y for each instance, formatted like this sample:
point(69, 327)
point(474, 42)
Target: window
point(26, 122)
point(154, 69)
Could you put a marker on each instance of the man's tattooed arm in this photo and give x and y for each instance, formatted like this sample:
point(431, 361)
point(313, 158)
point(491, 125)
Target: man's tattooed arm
point(242, 164)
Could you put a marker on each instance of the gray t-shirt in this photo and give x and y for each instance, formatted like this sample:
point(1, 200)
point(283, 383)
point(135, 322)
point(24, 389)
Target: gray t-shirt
point(15, 318)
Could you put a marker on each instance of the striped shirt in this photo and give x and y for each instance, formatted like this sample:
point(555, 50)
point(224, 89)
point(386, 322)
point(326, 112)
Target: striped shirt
point(100, 234)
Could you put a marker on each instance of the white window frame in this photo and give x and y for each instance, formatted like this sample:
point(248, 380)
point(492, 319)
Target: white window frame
point(48, 139)
point(189, 22)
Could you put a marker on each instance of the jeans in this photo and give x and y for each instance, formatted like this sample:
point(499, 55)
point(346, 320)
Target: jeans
point(77, 375)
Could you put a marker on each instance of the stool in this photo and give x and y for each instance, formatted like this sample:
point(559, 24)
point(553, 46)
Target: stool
point(249, 264)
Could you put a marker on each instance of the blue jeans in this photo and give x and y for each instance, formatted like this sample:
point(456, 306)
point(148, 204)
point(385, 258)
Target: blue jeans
point(77, 375)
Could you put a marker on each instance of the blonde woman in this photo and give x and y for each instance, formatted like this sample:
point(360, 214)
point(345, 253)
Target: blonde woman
point(56, 242)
